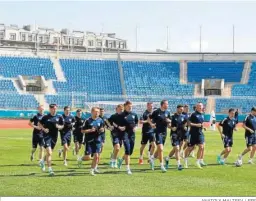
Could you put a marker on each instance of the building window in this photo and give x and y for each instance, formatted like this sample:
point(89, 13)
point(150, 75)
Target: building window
point(80, 42)
point(40, 39)
point(90, 43)
point(23, 37)
point(30, 38)
point(13, 36)
point(55, 40)
point(99, 43)
point(1, 35)
point(46, 38)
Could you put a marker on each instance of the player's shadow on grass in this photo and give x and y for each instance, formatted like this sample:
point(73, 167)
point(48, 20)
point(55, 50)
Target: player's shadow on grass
point(18, 175)
point(215, 164)
point(19, 165)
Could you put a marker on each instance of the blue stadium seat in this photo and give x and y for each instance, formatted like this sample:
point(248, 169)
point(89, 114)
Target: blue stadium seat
point(229, 71)
point(14, 66)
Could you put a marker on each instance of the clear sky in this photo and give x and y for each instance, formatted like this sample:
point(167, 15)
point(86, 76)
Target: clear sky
point(152, 18)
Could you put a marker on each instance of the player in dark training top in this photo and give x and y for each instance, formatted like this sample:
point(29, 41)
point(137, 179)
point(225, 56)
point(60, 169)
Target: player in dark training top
point(196, 135)
point(127, 123)
point(37, 138)
point(178, 129)
point(228, 125)
point(103, 134)
point(78, 136)
point(92, 128)
point(66, 132)
point(116, 135)
point(160, 119)
point(50, 125)
point(250, 136)
point(148, 133)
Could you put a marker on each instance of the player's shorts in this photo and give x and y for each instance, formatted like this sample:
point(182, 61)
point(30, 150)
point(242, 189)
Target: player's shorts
point(195, 139)
point(65, 138)
point(184, 136)
point(116, 139)
point(54, 141)
point(227, 141)
point(129, 142)
point(175, 140)
point(78, 137)
point(37, 139)
point(47, 141)
point(92, 146)
point(160, 138)
point(103, 137)
point(250, 140)
point(148, 137)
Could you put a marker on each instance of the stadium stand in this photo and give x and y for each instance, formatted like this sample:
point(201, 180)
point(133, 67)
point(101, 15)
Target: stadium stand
point(9, 97)
point(13, 66)
point(154, 78)
point(229, 71)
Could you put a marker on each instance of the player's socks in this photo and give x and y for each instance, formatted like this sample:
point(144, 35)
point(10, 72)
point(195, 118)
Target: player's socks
point(202, 163)
point(65, 163)
point(92, 172)
point(185, 162)
point(119, 163)
point(250, 161)
point(128, 169)
point(167, 158)
point(218, 159)
point(60, 152)
point(152, 162)
point(96, 170)
point(42, 165)
point(179, 165)
point(198, 164)
point(149, 154)
point(240, 157)
point(162, 167)
point(79, 161)
point(193, 154)
point(51, 173)
point(141, 160)
point(222, 161)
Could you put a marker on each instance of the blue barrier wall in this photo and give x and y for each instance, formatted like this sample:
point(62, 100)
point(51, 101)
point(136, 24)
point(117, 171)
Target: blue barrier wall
point(26, 114)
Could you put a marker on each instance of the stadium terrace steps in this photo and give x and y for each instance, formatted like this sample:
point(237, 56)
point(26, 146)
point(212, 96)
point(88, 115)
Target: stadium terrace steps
point(58, 69)
point(121, 73)
point(210, 104)
point(227, 90)
point(41, 100)
point(246, 72)
point(183, 72)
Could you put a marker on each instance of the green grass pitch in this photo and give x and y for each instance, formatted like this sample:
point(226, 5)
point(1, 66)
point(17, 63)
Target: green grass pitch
point(20, 177)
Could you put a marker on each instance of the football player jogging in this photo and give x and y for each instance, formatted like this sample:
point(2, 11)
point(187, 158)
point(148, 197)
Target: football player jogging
point(178, 128)
point(37, 137)
point(196, 136)
point(50, 125)
point(66, 132)
point(116, 135)
point(103, 134)
point(92, 128)
point(127, 123)
point(77, 133)
point(226, 128)
point(161, 118)
point(148, 134)
point(250, 136)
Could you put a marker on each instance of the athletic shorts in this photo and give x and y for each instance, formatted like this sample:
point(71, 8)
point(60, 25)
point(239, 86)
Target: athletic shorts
point(129, 142)
point(116, 139)
point(37, 139)
point(78, 137)
point(195, 139)
point(148, 137)
point(250, 140)
point(184, 136)
point(54, 141)
point(160, 138)
point(175, 140)
point(103, 137)
point(47, 141)
point(65, 138)
point(227, 141)
point(92, 147)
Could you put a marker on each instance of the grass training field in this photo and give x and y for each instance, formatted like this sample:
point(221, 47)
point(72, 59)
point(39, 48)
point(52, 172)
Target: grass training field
point(20, 177)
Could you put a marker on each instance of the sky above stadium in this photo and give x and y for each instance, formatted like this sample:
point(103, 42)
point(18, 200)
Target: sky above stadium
point(151, 19)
